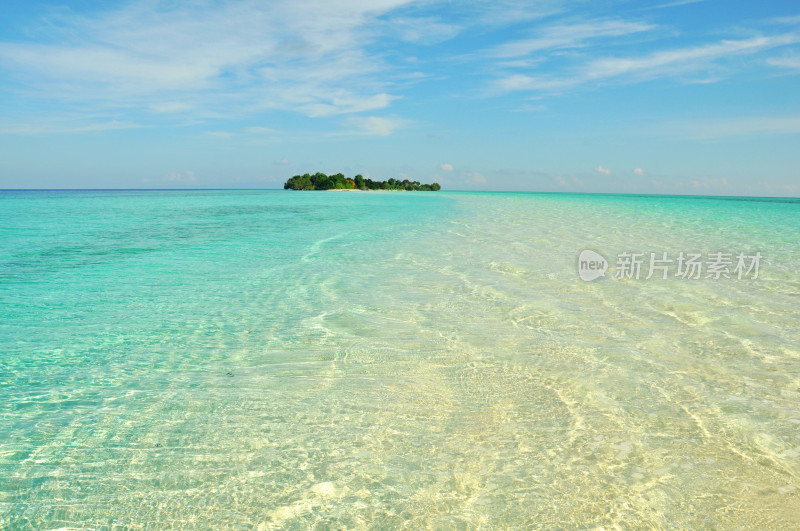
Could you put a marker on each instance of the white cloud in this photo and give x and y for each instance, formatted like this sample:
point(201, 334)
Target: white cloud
point(64, 125)
point(171, 107)
point(259, 130)
point(659, 64)
point(446, 167)
point(735, 126)
point(186, 177)
point(567, 36)
point(714, 182)
point(684, 59)
point(791, 20)
point(283, 162)
point(528, 107)
point(376, 125)
point(785, 62)
point(475, 177)
point(234, 59)
point(347, 103)
point(639, 172)
point(219, 134)
point(601, 169)
point(676, 3)
point(503, 12)
point(516, 82)
point(217, 60)
point(426, 30)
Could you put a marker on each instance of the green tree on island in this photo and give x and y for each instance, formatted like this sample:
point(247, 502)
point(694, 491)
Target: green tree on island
point(320, 181)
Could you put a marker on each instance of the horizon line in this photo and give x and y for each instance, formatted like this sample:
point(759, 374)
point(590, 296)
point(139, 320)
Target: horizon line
point(560, 192)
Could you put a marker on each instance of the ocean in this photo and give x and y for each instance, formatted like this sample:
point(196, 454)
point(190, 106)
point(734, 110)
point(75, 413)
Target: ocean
point(276, 359)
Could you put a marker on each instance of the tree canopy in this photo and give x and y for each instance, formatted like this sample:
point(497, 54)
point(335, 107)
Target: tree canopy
point(320, 181)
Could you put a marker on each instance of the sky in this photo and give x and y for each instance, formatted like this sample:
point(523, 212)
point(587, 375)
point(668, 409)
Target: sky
point(647, 96)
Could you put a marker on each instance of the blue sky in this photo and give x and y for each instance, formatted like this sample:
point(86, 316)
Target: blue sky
point(661, 96)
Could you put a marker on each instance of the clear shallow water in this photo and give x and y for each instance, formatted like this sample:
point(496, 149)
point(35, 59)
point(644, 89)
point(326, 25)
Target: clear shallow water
point(286, 360)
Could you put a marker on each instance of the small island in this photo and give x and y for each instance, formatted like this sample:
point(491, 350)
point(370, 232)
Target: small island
point(320, 181)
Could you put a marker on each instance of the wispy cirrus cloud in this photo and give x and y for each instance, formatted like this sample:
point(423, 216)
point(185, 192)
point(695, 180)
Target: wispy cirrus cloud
point(346, 103)
point(428, 30)
point(211, 59)
point(676, 3)
point(681, 60)
point(657, 64)
point(565, 36)
point(735, 126)
point(788, 61)
point(157, 61)
point(66, 126)
point(375, 125)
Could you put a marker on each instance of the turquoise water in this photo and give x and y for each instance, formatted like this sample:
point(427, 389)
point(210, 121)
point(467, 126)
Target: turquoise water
point(273, 359)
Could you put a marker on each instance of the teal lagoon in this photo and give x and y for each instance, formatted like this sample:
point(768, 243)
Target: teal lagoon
point(275, 359)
